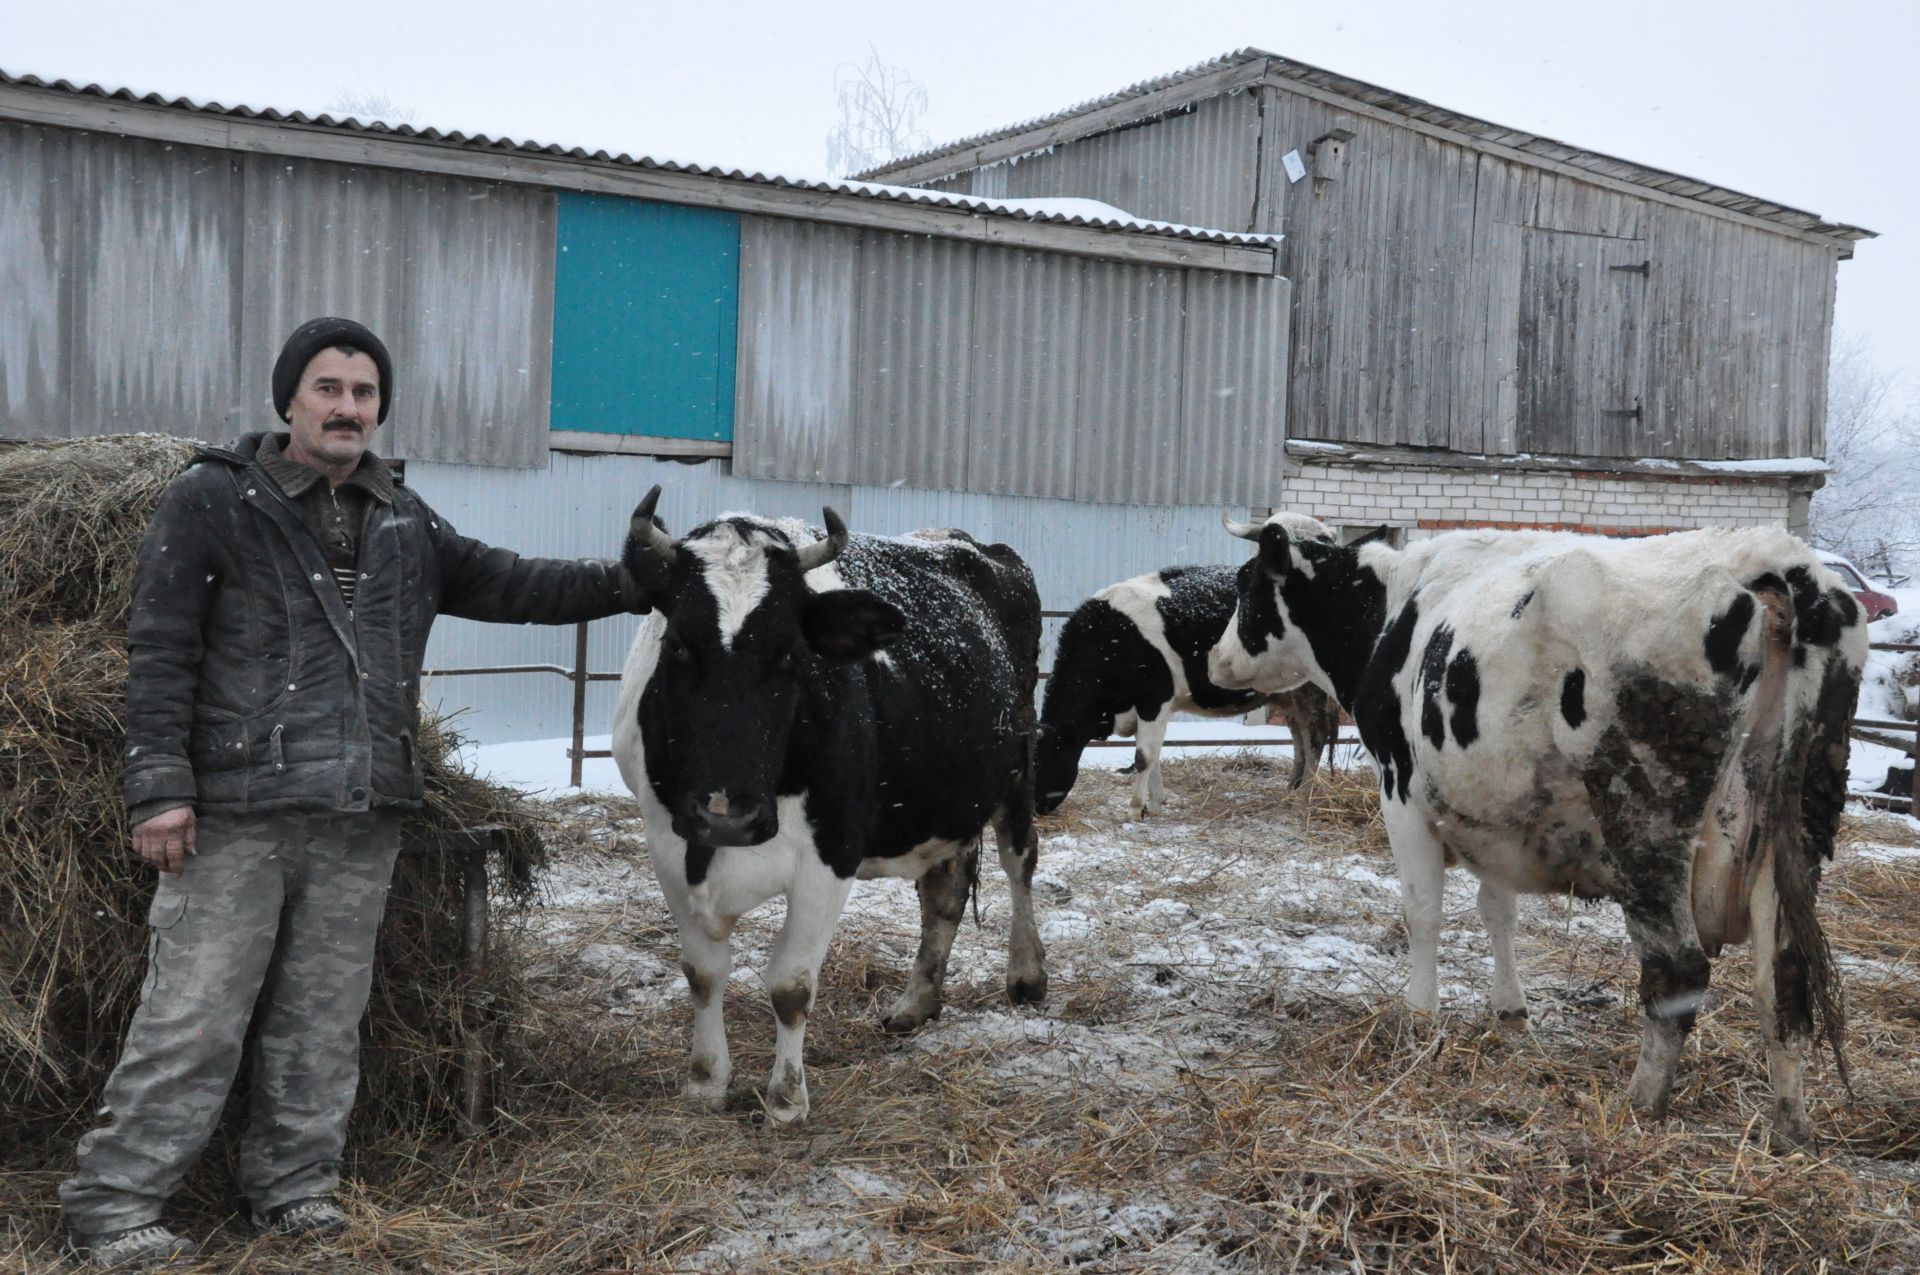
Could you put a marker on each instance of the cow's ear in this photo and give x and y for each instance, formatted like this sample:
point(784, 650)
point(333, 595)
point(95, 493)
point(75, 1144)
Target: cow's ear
point(1276, 551)
point(1372, 537)
point(850, 624)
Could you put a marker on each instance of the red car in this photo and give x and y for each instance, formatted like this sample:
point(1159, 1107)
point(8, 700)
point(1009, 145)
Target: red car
point(1877, 605)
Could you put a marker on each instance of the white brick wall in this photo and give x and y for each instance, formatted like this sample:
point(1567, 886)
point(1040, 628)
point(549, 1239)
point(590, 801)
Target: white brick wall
point(1427, 501)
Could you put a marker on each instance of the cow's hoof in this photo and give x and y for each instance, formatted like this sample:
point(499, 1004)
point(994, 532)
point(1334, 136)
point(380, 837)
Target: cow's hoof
point(1791, 1132)
point(1514, 1024)
point(1027, 991)
point(786, 1108)
point(786, 1100)
point(905, 1022)
point(786, 1113)
point(707, 1097)
point(1408, 1024)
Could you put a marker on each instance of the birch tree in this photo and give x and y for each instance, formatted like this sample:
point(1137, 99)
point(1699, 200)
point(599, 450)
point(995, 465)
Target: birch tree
point(1869, 510)
point(880, 110)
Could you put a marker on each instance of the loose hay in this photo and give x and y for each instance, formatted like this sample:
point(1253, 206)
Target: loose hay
point(72, 896)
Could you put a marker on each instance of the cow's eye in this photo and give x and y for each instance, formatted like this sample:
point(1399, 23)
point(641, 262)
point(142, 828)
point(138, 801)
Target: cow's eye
point(678, 651)
point(783, 662)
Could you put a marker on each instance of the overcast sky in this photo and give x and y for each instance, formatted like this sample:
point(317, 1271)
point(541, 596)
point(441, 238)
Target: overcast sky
point(1809, 104)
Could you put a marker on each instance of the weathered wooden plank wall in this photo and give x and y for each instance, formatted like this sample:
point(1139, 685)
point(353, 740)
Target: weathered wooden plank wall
point(1450, 298)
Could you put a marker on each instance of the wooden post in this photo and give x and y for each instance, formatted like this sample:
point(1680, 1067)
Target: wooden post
point(579, 702)
point(473, 952)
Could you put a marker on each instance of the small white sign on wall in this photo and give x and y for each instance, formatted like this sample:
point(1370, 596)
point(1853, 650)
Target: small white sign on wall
point(1295, 166)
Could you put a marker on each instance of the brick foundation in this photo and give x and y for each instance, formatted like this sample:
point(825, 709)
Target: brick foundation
point(1428, 501)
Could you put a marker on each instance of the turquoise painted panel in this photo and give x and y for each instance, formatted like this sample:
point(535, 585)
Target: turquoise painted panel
point(645, 314)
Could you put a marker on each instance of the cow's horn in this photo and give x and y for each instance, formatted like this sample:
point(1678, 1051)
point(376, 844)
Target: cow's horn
point(821, 552)
point(1244, 530)
point(643, 534)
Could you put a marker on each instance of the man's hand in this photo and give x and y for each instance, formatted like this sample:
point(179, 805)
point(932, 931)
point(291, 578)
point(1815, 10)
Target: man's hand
point(166, 840)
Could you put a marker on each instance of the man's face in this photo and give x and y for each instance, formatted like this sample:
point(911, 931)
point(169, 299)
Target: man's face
point(334, 411)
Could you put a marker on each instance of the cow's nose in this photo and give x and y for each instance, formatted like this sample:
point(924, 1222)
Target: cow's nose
point(723, 820)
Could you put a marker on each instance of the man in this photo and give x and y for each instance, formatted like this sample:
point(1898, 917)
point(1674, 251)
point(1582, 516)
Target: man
point(282, 599)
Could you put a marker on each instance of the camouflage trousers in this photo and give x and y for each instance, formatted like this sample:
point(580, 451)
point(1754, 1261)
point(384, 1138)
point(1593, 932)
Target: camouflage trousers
point(278, 910)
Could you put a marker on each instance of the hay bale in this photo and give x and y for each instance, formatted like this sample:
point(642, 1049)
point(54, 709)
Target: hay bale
point(73, 897)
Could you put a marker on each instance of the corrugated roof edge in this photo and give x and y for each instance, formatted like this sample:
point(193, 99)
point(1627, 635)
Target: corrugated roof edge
point(480, 141)
point(1282, 68)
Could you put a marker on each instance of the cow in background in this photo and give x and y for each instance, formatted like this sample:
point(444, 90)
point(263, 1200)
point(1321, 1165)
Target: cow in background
point(1662, 722)
point(1132, 656)
point(799, 711)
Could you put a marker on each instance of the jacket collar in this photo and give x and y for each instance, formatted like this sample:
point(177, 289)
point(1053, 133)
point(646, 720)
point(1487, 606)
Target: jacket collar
point(372, 476)
point(265, 449)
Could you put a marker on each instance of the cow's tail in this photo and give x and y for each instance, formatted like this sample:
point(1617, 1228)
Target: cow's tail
point(1805, 792)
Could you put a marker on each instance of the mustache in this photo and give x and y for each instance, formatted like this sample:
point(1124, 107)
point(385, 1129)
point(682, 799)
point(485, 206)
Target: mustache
point(341, 423)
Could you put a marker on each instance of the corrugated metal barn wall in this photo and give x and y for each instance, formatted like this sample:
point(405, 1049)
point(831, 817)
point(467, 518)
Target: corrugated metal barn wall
point(580, 505)
point(885, 359)
point(148, 286)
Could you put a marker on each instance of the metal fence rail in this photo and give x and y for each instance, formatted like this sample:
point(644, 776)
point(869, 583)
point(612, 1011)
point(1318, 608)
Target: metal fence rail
point(578, 753)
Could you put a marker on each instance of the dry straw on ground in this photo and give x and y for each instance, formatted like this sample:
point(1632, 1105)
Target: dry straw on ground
point(1270, 1129)
point(73, 898)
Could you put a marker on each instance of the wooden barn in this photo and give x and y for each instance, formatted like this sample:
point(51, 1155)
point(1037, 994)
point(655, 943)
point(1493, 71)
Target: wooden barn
point(1489, 326)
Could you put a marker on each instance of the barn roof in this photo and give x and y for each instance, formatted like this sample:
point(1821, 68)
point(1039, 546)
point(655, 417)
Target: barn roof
point(1064, 213)
point(1237, 71)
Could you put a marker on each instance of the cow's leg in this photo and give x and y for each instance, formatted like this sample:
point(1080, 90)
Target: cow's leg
point(1304, 757)
point(708, 964)
point(1312, 720)
point(1784, 1002)
point(1499, 913)
point(707, 961)
point(1149, 790)
point(814, 903)
point(1673, 981)
point(1422, 866)
point(1019, 845)
point(943, 905)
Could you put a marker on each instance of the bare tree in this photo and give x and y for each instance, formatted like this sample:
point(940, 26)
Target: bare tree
point(369, 107)
point(1869, 511)
point(880, 109)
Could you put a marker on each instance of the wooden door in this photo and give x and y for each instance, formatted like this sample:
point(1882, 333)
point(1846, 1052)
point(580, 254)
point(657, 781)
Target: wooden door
point(1581, 363)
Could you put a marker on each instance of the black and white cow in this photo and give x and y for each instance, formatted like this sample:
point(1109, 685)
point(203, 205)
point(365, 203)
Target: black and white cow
point(1133, 655)
point(1662, 722)
point(798, 712)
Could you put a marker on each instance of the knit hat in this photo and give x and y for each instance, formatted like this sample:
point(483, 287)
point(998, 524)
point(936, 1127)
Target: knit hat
point(316, 335)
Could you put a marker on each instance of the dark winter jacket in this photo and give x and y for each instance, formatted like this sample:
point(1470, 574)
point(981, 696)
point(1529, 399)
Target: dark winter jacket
point(252, 686)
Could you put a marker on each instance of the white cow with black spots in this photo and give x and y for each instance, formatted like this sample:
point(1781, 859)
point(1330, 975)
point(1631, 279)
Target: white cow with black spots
point(1662, 722)
point(800, 711)
point(1133, 655)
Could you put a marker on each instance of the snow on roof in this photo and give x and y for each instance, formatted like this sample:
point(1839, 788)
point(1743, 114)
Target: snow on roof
point(1069, 212)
